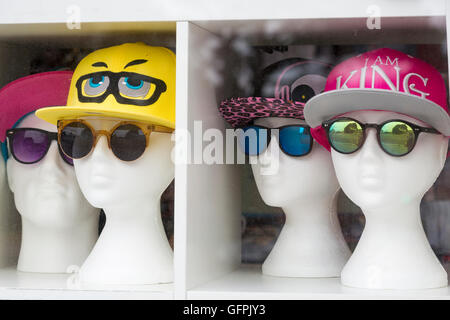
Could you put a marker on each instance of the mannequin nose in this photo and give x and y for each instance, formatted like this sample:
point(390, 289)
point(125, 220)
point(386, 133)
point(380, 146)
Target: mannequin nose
point(52, 162)
point(271, 153)
point(101, 150)
point(370, 149)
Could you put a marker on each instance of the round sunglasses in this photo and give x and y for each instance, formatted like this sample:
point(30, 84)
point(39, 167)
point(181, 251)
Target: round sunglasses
point(395, 137)
point(30, 145)
point(127, 140)
point(294, 140)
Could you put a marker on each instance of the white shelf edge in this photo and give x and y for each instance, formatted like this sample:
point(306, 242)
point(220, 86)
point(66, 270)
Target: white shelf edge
point(58, 11)
point(57, 294)
point(180, 214)
point(24, 285)
point(247, 283)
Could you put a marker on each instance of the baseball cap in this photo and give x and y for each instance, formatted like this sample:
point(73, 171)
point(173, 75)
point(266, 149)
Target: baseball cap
point(282, 90)
point(22, 96)
point(384, 79)
point(131, 81)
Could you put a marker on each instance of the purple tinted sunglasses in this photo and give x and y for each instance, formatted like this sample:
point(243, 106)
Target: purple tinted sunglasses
point(30, 145)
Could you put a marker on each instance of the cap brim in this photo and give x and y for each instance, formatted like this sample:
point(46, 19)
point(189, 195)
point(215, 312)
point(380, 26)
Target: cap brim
point(241, 111)
point(29, 93)
point(53, 114)
point(329, 104)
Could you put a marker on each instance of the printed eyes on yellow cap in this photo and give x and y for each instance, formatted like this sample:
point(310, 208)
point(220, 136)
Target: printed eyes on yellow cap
point(135, 88)
point(95, 85)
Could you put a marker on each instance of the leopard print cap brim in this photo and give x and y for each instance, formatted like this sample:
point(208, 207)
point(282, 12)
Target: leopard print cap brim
point(239, 112)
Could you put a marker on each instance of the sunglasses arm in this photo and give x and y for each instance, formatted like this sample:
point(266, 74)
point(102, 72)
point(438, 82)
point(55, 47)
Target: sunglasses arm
point(161, 129)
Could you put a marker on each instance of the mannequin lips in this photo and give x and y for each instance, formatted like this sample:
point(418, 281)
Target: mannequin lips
point(371, 179)
point(101, 175)
point(52, 186)
point(268, 173)
point(100, 179)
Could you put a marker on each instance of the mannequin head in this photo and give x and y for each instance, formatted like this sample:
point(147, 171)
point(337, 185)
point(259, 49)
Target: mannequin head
point(292, 178)
point(107, 181)
point(46, 193)
point(374, 180)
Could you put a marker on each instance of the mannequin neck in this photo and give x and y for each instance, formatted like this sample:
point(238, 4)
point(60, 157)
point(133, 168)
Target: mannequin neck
point(140, 218)
point(134, 242)
point(303, 211)
point(399, 217)
point(311, 242)
point(53, 250)
point(393, 252)
point(394, 231)
point(133, 212)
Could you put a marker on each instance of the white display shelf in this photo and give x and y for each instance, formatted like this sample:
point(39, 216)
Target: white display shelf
point(90, 35)
point(23, 285)
point(181, 10)
point(337, 31)
point(249, 283)
point(207, 197)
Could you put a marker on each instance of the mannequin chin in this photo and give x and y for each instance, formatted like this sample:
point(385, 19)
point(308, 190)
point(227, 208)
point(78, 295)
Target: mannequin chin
point(59, 227)
point(133, 247)
point(393, 252)
point(311, 243)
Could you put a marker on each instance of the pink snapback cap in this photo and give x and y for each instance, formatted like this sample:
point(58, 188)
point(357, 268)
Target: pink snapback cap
point(383, 79)
point(30, 93)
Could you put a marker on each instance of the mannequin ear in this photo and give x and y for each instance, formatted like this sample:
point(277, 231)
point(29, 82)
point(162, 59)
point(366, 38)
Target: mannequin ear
point(10, 174)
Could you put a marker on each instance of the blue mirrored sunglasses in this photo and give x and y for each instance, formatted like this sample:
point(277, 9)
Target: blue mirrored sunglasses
point(294, 140)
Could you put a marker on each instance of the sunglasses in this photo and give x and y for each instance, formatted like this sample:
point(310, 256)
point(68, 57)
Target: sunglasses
point(396, 137)
point(126, 87)
point(127, 140)
point(294, 140)
point(30, 145)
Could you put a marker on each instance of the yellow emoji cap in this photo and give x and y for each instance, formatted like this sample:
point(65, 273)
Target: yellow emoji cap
point(131, 81)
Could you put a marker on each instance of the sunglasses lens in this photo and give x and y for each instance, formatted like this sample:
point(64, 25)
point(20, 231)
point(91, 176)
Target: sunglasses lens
point(128, 142)
point(76, 140)
point(253, 140)
point(295, 140)
point(397, 138)
point(346, 136)
point(30, 145)
point(66, 158)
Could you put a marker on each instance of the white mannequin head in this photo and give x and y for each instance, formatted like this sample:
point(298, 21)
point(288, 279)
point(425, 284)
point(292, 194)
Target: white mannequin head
point(133, 247)
point(393, 251)
point(311, 243)
point(293, 178)
point(374, 180)
point(107, 181)
point(46, 193)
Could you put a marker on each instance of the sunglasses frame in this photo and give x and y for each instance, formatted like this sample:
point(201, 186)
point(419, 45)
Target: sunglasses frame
point(416, 129)
point(269, 137)
point(50, 135)
point(146, 129)
point(113, 88)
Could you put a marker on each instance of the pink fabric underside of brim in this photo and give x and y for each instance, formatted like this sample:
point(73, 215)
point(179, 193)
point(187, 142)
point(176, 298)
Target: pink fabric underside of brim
point(30, 93)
